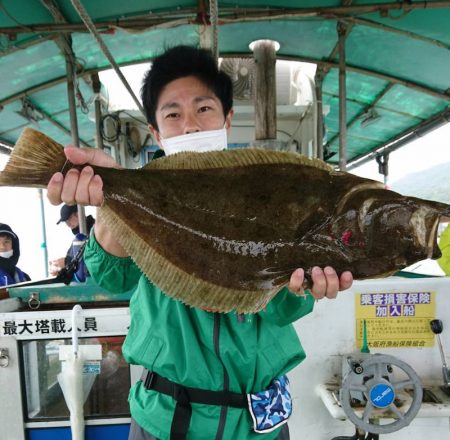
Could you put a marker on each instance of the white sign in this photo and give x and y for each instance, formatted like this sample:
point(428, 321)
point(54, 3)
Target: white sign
point(57, 324)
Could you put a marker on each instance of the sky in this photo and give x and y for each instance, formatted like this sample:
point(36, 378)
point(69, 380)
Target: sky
point(21, 206)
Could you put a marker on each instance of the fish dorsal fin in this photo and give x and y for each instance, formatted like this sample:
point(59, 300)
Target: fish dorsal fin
point(234, 158)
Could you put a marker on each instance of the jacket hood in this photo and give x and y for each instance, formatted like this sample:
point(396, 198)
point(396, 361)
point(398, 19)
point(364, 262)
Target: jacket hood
point(9, 264)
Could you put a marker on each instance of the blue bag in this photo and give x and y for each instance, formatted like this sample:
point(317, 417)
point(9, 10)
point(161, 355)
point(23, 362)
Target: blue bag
point(272, 407)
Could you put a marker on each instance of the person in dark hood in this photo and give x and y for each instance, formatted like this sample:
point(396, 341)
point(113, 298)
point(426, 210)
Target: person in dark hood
point(69, 215)
point(9, 256)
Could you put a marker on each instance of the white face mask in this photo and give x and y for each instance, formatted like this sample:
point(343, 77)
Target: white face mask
point(201, 141)
point(6, 254)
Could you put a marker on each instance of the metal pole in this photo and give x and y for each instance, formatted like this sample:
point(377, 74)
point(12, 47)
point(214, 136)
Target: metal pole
point(92, 29)
point(44, 232)
point(96, 87)
point(383, 166)
point(319, 128)
point(342, 33)
point(405, 138)
point(74, 124)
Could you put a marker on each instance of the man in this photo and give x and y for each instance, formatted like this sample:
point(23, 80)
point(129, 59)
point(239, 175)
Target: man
point(203, 363)
point(69, 215)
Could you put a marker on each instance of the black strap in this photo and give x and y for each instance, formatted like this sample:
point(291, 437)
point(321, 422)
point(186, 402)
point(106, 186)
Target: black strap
point(185, 395)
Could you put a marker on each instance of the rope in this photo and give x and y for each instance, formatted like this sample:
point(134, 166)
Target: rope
point(91, 27)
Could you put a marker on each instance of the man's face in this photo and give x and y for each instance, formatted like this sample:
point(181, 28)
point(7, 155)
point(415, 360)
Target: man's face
point(186, 106)
point(72, 221)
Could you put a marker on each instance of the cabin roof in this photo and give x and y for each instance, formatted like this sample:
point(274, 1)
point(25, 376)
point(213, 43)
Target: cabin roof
point(397, 55)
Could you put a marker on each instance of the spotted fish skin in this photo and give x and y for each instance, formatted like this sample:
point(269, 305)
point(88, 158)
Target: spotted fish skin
point(225, 230)
point(237, 229)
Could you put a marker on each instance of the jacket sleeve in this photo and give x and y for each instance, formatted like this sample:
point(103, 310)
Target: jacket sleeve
point(444, 245)
point(3, 279)
point(286, 307)
point(116, 274)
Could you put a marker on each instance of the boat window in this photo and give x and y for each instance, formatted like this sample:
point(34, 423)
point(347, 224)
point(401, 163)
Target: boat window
point(106, 382)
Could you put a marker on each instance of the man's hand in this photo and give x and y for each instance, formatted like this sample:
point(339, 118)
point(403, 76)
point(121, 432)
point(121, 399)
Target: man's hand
point(85, 188)
point(326, 282)
point(80, 187)
point(54, 266)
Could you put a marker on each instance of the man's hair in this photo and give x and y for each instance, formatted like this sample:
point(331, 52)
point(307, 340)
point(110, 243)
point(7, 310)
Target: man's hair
point(179, 62)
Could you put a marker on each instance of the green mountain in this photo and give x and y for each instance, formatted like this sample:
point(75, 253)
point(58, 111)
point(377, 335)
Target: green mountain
point(431, 184)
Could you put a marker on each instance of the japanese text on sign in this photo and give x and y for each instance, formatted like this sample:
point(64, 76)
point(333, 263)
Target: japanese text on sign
point(395, 319)
point(45, 326)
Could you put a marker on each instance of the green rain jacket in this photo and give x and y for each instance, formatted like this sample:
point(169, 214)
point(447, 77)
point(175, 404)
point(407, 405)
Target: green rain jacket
point(444, 246)
point(195, 348)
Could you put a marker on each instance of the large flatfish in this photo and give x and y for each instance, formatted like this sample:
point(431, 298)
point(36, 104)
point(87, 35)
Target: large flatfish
point(225, 230)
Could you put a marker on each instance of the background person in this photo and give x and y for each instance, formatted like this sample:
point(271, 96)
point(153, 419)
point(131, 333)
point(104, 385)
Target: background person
point(9, 256)
point(69, 216)
point(188, 348)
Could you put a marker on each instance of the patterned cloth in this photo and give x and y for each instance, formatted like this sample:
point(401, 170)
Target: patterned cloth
point(272, 407)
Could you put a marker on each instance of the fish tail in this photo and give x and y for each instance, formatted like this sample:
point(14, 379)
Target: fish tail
point(33, 161)
point(442, 208)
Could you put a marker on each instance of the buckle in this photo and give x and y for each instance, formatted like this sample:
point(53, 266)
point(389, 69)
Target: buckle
point(149, 380)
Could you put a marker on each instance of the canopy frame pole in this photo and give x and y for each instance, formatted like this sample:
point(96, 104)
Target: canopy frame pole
point(65, 44)
point(74, 127)
point(342, 34)
point(96, 87)
point(44, 230)
point(318, 81)
point(93, 30)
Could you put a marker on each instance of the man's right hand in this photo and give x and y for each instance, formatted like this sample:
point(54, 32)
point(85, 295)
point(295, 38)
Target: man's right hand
point(85, 188)
point(80, 187)
point(54, 266)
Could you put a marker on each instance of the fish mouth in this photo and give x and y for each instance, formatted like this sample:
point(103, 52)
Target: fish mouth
point(425, 224)
point(433, 248)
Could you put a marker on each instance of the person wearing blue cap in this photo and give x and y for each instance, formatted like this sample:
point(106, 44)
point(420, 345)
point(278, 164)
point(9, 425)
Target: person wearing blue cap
point(9, 256)
point(69, 215)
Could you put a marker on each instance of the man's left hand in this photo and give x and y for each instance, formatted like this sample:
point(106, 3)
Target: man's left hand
point(325, 282)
